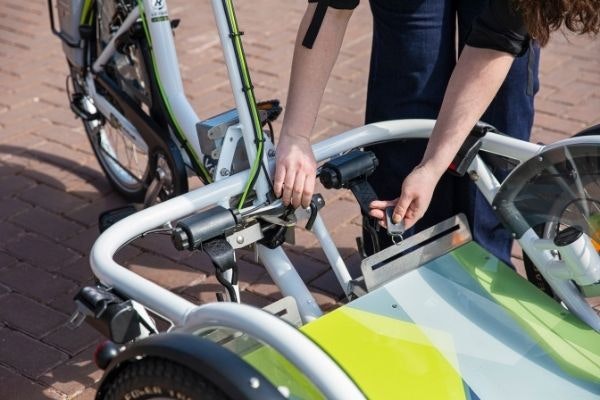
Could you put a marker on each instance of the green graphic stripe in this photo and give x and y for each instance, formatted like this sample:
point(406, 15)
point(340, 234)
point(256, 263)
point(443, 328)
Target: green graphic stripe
point(280, 372)
point(251, 100)
point(567, 340)
point(203, 173)
point(386, 357)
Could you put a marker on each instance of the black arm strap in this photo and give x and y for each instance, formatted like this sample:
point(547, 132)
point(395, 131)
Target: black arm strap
point(315, 24)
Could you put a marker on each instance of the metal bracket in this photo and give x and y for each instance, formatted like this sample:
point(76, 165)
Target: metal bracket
point(415, 251)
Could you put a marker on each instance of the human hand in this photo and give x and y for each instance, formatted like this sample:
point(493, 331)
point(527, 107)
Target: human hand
point(417, 190)
point(295, 171)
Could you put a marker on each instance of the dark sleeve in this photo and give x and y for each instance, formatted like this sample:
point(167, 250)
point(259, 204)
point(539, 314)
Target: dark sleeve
point(340, 4)
point(317, 19)
point(501, 28)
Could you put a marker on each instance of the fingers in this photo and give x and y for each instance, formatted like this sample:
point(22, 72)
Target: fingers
point(382, 204)
point(294, 185)
point(309, 187)
point(298, 189)
point(279, 179)
point(402, 207)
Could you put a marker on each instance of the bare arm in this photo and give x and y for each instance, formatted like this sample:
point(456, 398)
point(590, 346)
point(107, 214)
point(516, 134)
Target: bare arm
point(296, 166)
point(475, 81)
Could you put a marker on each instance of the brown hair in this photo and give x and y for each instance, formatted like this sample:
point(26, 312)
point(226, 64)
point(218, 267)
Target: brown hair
point(544, 16)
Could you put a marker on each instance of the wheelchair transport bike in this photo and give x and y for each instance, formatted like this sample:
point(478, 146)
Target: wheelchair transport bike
point(434, 316)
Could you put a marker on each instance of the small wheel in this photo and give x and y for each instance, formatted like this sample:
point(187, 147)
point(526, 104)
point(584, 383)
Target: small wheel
point(160, 379)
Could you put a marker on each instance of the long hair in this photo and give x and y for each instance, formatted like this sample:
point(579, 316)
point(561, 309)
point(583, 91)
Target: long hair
point(544, 16)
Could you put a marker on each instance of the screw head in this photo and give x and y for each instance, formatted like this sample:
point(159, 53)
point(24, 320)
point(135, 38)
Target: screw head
point(224, 172)
point(254, 383)
point(239, 239)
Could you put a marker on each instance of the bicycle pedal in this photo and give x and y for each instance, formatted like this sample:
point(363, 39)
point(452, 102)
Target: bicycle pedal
point(270, 110)
point(110, 217)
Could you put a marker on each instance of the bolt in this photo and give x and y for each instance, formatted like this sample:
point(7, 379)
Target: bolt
point(540, 158)
point(239, 239)
point(224, 172)
point(271, 153)
point(254, 383)
point(285, 391)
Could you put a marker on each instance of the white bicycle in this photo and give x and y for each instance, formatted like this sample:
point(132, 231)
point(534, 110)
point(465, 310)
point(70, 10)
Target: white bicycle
point(436, 307)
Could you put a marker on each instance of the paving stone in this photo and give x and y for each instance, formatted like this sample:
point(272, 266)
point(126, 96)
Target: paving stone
point(3, 290)
point(264, 286)
point(73, 341)
point(34, 282)
point(36, 360)
point(79, 271)
point(49, 224)
point(12, 185)
point(64, 303)
point(328, 283)
point(88, 215)
point(84, 240)
point(161, 270)
point(6, 260)
point(8, 169)
point(161, 245)
point(48, 255)
point(307, 267)
point(9, 233)
point(75, 375)
point(14, 386)
point(204, 291)
point(23, 314)
point(52, 199)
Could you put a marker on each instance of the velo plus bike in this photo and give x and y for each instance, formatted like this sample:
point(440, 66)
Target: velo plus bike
point(424, 318)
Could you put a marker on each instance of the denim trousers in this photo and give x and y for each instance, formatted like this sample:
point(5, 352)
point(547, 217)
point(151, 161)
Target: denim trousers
point(414, 50)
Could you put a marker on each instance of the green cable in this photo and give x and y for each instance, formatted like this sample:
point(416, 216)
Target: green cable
point(86, 14)
point(250, 99)
point(204, 174)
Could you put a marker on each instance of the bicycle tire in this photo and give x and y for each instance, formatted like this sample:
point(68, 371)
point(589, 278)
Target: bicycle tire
point(128, 168)
point(159, 378)
point(545, 231)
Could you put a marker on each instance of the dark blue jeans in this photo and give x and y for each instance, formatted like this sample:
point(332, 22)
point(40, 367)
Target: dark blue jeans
point(413, 55)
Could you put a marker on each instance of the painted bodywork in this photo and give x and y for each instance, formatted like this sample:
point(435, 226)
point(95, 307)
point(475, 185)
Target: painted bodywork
point(463, 326)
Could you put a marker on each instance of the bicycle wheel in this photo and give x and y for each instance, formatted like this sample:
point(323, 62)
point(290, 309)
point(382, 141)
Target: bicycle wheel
point(160, 379)
point(129, 162)
point(549, 231)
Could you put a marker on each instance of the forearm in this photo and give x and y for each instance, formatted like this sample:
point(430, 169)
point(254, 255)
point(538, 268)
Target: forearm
point(475, 81)
point(311, 69)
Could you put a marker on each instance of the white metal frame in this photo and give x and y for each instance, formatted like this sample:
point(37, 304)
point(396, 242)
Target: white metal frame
point(175, 309)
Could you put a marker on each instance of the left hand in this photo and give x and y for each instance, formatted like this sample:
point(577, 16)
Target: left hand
point(417, 190)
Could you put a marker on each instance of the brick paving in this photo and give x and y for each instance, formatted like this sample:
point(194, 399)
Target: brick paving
point(52, 189)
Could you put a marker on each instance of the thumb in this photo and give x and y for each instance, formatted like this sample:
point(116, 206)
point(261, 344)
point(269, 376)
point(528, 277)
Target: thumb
point(401, 207)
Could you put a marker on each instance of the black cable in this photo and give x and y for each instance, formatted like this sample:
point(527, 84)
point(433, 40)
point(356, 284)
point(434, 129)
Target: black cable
point(227, 285)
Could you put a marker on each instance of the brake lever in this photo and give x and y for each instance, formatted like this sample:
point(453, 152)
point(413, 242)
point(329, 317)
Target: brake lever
point(316, 204)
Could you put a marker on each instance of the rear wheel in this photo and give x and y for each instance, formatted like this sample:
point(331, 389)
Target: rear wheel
point(129, 162)
point(160, 379)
